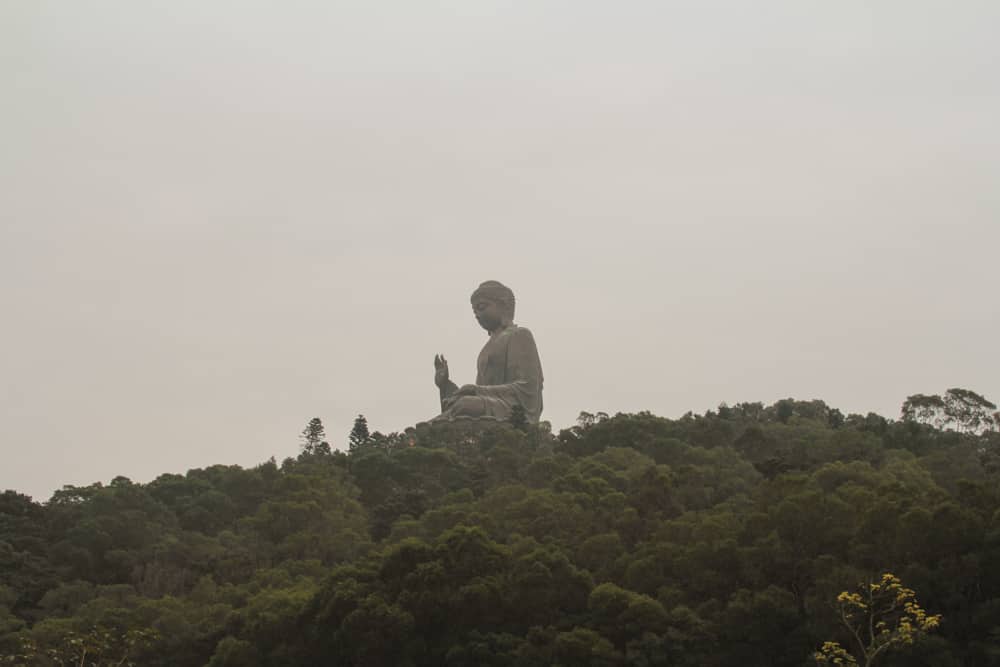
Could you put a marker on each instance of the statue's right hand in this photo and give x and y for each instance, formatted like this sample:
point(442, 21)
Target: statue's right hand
point(440, 370)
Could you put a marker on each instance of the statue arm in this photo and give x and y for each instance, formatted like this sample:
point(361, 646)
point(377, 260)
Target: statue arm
point(447, 389)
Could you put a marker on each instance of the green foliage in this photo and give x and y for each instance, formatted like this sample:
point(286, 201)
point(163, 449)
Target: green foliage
point(717, 539)
point(959, 409)
point(313, 438)
point(359, 436)
point(518, 419)
point(232, 652)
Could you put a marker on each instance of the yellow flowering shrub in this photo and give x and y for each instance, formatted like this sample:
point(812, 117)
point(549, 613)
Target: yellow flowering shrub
point(880, 615)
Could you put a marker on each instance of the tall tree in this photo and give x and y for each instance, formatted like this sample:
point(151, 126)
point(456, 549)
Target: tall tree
point(960, 409)
point(313, 438)
point(784, 409)
point(969, 411)
point(924, 409)
point(360, 436)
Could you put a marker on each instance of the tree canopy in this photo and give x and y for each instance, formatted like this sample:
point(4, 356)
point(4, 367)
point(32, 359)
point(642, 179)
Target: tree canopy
point(729, 538)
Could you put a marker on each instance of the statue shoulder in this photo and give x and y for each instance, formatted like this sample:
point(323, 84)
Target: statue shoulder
point(523, 352)
point(522, 334)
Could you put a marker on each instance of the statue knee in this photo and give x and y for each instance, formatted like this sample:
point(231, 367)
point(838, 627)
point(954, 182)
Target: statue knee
point(468, 406)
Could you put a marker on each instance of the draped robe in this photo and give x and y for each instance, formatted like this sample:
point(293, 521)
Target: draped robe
point(509, 374)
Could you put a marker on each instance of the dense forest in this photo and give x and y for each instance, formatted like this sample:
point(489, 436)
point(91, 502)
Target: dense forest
point(786, 534)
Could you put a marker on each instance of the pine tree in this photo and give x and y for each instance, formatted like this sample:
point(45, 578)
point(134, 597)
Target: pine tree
point(312, 437)
point(360, 437)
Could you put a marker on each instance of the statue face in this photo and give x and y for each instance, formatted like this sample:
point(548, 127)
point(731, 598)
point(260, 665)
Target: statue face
point(488, 313)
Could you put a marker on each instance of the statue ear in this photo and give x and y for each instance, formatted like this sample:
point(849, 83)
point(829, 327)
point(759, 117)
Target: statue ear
point(507, 306)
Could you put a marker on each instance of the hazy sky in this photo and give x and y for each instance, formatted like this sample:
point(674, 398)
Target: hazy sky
point(221, 219)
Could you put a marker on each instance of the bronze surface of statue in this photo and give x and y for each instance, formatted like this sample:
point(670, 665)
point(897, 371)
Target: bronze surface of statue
point(509, 371)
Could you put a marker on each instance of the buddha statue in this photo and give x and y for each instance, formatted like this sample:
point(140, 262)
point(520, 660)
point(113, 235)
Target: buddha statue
point(509, 371)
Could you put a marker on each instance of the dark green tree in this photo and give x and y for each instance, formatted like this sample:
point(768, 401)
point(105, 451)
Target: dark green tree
point(784, 409)
point(518, 419)
point(969, 411)
point(959, 409)
point(313, 438)
point(924, 410)
point(360, 437)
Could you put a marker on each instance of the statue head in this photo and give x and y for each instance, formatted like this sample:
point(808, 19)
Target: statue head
point(493, 305)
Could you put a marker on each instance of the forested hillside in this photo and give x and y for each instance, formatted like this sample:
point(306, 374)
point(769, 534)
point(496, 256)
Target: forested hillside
point(730, 538)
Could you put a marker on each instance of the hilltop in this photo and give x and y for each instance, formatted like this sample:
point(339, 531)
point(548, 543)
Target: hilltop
point(715, 539)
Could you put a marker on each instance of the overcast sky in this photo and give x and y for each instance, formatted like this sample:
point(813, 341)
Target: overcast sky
point(221, 219)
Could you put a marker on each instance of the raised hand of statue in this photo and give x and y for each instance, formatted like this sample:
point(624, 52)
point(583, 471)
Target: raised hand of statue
point(440, 370)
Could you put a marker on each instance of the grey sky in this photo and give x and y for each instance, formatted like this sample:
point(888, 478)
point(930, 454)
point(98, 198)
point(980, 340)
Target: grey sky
point(220, 219)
